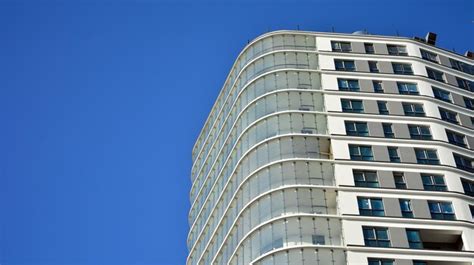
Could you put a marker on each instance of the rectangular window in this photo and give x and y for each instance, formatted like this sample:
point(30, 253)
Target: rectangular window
point(460, 66)
point(469, 102)
point(441, 210)
point(348, 84)
point(399, 179)
point(456, 138)
point(429, 56)
point(468, 187)
point(370, 206)
point(407, 88)
point(345, 65)
point(355, 128)
point(471, 208)
point(352, 105)
point(373, 67)
point(364, 178)
point(426, 156)
point(387, 130)
point(397, 50)
point(465, 84)
point(433, 182)
point(442, 94)
point(378, 88)
point(372, 261)
point(414, 239)
point(449, 116)
point(376, 236)
point(420, 132)
point(419, 262)
point(361, 152)
point(319, 240)
point(435, 74)
point(339, 46)
point(382, 105)
point(393, 154)
point(369, 48)
point(413, 109)
point(463, 162)
point(402, 68)
point(405, 206)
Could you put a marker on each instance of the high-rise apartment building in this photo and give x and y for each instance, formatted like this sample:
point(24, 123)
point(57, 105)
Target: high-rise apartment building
point(327, 148)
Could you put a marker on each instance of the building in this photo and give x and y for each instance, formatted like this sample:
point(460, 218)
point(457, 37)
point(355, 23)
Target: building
point(326, 148)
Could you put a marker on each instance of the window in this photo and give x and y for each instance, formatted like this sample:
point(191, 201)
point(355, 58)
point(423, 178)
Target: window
point(433, 182)
point(397, 50)
point(399, 179)
point(434, 74)
point(414, 239)
point(339, 46)
point(441, 210)
point(356, 128)
point(369, 48)
point(360, 152)
point(365, 179)
point(469, 102)
point(387, 130)
point(393, 154)
point(426, 156)
point(344, 65)
point(382, 105)
point(419, 262)
point(413, 109)
point(378, 88)
point(442, 94)
point(405, 206)
point(352, 105)
point(380, 261)
point(407, 88)
point(464, 67)
point(429, 56)
point(456, 138)
point(348, 84)
point(402, 68)
point(465, 84)
point(373, 67)
point(463, 162)
point(376, 236)
point(468, 187)
point(319, 240)
point(471, 208)
point(370, 206)
point(420, 132)
point(448, 115)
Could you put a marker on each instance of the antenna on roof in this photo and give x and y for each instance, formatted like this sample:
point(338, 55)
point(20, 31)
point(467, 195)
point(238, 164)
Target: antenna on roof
point(398, 34)
point(298, 27)
point(332, 28)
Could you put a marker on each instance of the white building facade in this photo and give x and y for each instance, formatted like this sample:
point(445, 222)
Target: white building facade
point(327, 148)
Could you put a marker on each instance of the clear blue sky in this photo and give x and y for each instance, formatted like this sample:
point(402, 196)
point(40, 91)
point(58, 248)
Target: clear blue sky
point(101, 102)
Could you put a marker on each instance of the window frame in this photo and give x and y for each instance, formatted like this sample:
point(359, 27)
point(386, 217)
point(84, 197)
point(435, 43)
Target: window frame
point(345, 84)
point(425, 159)
point(402, 68)
point(341, 48)
point(407, 88)
point(402, 185)
point(438, 210)
point(456, 138)
point(435, 75)
point(351, 105)
point(372, 206)
point(399, 50)
point(442, 94)
point(359, 156)
point(448, 115)
point(365, 180)
point(429, 56)
point(408, 212)
point(376, 240)
point(341, 65)
point(431, 182)
point(384, 110)
point(419, 130)
point(356, 125)
point(413, 109)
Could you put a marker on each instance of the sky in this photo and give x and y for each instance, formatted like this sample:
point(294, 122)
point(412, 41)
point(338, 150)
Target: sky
point(101, 102)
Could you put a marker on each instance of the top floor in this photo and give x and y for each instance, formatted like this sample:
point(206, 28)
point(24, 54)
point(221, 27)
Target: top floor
point(321, 42)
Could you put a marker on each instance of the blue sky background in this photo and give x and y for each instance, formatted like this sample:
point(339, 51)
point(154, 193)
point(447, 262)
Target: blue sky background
point(101, 102)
